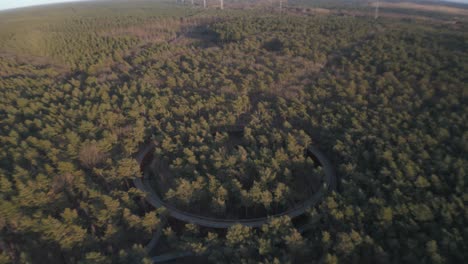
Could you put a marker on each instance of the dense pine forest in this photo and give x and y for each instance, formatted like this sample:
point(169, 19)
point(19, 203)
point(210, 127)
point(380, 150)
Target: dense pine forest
point(318, 132)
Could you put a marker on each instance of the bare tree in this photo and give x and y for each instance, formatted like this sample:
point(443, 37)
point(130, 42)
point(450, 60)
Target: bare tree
point(90, 155)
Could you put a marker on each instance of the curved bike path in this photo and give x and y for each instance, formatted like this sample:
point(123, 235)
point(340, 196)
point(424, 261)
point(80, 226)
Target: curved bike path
point(156, 201)
point(142, 183)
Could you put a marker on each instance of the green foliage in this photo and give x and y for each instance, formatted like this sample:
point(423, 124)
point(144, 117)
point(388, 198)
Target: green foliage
point(385, 99)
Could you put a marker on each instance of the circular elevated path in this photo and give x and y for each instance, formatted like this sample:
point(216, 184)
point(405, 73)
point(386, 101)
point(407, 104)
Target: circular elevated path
point(155, 200)
point(143, 184)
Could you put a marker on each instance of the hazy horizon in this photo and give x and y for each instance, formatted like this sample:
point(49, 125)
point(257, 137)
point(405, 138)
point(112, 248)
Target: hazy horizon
point(29, 3)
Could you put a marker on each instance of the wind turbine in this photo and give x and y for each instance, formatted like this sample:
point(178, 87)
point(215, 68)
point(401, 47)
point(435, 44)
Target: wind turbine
point(376, 15)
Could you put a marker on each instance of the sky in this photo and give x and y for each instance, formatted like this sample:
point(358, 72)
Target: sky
point(8, 4)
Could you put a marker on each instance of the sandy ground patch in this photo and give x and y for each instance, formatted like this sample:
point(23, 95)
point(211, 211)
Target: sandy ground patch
point(433, 8)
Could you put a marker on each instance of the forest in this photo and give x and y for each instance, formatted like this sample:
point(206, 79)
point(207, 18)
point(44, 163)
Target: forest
point(163, 131)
